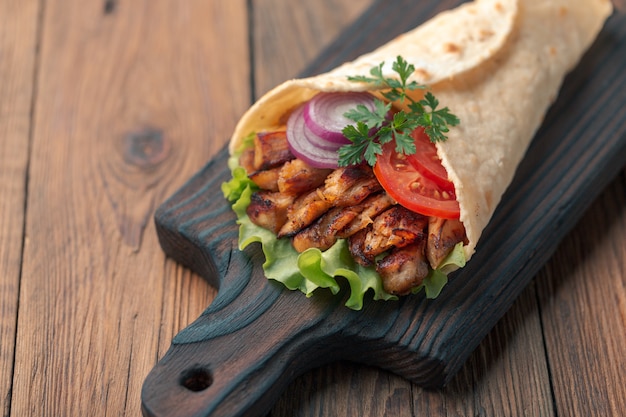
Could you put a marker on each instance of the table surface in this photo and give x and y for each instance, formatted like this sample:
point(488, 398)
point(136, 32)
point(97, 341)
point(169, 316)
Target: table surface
point(107, 108)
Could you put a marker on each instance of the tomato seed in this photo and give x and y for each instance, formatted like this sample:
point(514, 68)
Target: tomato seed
point(415, 186)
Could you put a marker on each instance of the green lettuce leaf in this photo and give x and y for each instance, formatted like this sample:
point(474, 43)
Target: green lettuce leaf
point(438, 278)
point(313, 268)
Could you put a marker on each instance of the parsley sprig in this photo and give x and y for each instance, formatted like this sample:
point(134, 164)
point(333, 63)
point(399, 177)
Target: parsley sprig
point(374, 128)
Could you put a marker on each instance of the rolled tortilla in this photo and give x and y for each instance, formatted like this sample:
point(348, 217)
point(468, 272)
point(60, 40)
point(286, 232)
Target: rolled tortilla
point(497, 65)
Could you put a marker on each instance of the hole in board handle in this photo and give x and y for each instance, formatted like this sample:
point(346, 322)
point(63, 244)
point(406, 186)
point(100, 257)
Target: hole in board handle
point(196, 379)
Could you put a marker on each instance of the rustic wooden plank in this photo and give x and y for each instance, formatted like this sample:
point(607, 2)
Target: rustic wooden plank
point(507, 373)
point(286, 38)
point(18, 40)
point(133, 98)
point(581, 290)
point(345, 389)
point(583, 302)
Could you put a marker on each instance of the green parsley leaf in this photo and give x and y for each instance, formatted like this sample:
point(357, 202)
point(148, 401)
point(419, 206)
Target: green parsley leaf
point(435, 122)
point(377, 78)
point(375, 118)
point(374, 128)
point(362, 146)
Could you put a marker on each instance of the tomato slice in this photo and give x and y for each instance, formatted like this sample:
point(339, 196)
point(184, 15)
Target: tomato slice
point(426, 161)
point(412, 189)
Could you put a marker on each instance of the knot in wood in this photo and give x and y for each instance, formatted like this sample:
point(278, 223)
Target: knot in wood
point(146, 148)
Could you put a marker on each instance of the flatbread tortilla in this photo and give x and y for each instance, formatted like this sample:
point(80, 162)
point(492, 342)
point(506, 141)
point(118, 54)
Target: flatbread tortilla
point(496, 64)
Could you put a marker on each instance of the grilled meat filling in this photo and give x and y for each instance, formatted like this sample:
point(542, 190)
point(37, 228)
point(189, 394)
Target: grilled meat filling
point(323, 233)
point(404, 268)
point(315, 207)
point(368, 210)
point(269, 209)
point(443, 235)
point(296, 177)
point(271, 150)
point(344, 187)
point(396, 227)
point(356, 245)
point(341, 223)
point(266, 180)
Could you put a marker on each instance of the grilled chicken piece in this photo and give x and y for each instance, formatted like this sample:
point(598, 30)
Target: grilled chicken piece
point(297, 177)
point(396, 227)
point(356, 245)
point(304, 211)
point(293, 177)
point(344, 187)
point(246, 160)
point(341, 222)
point(348, 186)
point(266, 180)
point(404, 268)
point(271, 150)
point(371, 207)
point(269, 209)
point(323, 233)
point(443, 235)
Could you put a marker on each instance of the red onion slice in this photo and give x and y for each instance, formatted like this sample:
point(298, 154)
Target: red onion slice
point(306, 145)
point(324, 113)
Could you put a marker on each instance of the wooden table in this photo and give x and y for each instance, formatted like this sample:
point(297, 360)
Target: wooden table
point(107, 108)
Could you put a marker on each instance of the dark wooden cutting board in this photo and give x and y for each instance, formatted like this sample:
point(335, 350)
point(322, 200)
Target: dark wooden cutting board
point(257, 336)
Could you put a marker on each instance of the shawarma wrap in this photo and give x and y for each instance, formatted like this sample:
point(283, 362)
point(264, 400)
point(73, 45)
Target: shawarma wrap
point(496, 64)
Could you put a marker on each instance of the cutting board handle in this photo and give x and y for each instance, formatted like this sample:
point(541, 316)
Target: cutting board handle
point(239, 355)
point(254, 338)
